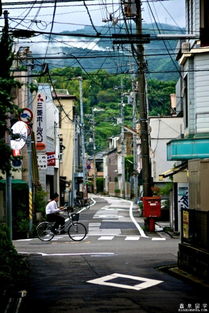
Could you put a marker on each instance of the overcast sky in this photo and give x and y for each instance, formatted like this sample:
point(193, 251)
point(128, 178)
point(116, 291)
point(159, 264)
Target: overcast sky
point(74, 15)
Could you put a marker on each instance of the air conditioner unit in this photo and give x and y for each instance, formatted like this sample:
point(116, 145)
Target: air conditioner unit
point(185, 47)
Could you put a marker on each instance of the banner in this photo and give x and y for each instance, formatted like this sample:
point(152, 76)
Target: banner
point(40, 123)
point(51, 160)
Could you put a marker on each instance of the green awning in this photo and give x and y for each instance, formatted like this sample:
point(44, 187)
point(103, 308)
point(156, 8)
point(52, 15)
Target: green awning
point(14, 181)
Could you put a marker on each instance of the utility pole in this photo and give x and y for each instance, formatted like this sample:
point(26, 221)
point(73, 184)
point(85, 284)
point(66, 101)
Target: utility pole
point(146, 164)
point(72, 195)
point(135, 177)
point(7, 139)
point(123, 179)
point(29, 147)
point(82, 135)
point(94, 154)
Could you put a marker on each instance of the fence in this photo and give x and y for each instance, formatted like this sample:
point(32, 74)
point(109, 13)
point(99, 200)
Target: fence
point(195, 228)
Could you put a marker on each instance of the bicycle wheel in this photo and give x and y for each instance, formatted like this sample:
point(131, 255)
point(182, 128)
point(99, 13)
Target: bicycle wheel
point(44, 232)
point(77, 231)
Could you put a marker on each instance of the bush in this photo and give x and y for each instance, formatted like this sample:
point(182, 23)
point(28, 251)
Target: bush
point(40, 200)
point(100, 184)
point(13, 267)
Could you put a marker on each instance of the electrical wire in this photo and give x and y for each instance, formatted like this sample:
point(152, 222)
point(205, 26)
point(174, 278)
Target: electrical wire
point(30, 9)
point(90, 18)
point(57, 98)
point(178, 70)
point(52, 25)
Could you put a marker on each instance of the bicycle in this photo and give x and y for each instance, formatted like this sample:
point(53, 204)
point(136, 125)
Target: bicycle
point(76, 230)
point(82, 203)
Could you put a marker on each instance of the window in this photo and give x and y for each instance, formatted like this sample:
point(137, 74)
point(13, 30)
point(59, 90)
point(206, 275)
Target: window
point(99, 166)
point(190, 16)
point(204, 22)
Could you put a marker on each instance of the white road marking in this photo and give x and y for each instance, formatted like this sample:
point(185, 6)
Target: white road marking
point(24, 239)
point(142, 233)
point(95, 224)
point(104, 232)
point(145, 282)
point(69, 254)
point(132, 238)
point(57, 238)
point(106, 238)
point(155, 238)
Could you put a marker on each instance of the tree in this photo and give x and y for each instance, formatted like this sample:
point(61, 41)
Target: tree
point(102, 89)
point(7, 107)
point(159, 96)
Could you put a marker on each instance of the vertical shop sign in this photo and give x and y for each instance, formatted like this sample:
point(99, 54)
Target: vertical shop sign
point(41, 123)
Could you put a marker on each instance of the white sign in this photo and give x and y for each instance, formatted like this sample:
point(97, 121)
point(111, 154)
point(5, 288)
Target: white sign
point(42, 161)
point(109, 281)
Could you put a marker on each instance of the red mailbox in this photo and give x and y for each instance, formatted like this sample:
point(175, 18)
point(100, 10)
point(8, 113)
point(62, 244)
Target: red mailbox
point(151, 206)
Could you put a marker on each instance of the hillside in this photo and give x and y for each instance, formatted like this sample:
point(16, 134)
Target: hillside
point(93, 54)
point(97, 63)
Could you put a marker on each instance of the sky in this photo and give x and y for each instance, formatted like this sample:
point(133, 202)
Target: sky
point(74, 15)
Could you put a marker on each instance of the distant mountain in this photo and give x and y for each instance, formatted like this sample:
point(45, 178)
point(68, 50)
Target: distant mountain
point(94, 53)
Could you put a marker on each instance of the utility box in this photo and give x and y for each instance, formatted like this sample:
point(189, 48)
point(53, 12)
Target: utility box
point(151, 206)
point(198, 173)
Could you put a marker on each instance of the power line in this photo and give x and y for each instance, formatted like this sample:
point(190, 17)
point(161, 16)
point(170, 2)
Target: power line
point(52, 25)
point(60, 1)
point(174, 63)
point(90, 18)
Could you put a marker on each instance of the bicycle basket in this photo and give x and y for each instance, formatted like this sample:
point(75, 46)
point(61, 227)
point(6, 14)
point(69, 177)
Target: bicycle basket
point(75, 217)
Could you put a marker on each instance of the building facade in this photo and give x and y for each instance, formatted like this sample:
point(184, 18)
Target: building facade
point(193, 148)
point(68, 146)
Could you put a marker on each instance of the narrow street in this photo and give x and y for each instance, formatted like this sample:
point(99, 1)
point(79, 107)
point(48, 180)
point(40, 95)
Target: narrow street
point(114, 269)
point(107, 100)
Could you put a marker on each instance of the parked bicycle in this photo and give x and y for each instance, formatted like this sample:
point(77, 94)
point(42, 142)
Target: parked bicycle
point(76, 230)
point(82, 203)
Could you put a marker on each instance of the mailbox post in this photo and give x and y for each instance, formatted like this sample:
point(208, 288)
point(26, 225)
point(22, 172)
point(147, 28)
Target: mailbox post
point(151, 210)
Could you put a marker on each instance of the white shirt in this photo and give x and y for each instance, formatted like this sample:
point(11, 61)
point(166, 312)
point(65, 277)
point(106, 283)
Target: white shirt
point(52, 207)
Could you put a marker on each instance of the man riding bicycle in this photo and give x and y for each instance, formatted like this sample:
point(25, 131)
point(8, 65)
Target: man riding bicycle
point(52, 212)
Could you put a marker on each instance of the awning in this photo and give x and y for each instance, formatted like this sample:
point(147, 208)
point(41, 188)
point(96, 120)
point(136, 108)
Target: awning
point(14, 181)
point(173, 170)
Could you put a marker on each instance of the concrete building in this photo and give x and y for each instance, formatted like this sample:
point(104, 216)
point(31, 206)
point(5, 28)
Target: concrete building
point(95, 167)
point(46, 128)
point(111, 167)
point(193, 96)
point(66, 105)
point(164, 129)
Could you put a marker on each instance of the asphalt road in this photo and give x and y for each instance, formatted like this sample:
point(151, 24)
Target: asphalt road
point(115, 269)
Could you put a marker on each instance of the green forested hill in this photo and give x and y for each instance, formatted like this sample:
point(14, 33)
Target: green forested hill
point(93, 54)
point(101, 67)
point(102, 90)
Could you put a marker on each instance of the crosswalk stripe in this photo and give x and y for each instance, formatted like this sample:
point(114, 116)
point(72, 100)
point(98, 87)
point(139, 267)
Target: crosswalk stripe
point(106, 237)
point(132, 238)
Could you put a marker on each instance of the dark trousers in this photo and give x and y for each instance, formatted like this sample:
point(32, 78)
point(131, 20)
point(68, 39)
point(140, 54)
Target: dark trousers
point(59, 220)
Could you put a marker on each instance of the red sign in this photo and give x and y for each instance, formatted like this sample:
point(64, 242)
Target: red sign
point(40, 146)
point(26, 115)
point(51, 161)
point(16, 152)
